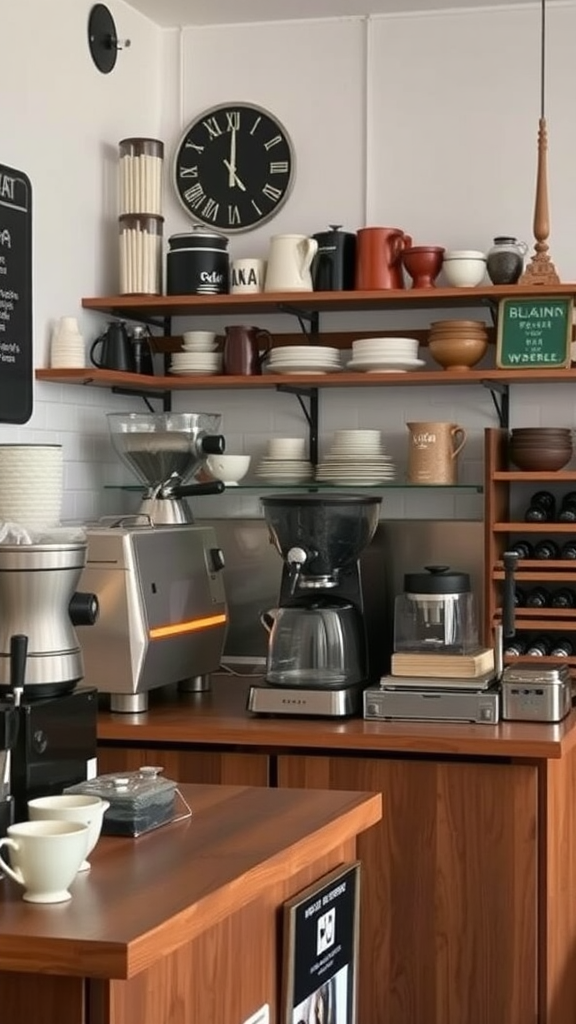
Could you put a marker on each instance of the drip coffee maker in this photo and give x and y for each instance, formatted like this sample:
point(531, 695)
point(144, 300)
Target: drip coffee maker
point(164, 450)
point(318, 651)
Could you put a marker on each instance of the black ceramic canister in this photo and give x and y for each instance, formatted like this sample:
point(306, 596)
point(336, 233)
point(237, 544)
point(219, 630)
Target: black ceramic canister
point(198, 263)
point(333, 266)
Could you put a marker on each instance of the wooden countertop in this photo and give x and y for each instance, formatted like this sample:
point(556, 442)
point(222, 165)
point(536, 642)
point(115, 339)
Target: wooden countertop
point(220, 718)
point(145, 897)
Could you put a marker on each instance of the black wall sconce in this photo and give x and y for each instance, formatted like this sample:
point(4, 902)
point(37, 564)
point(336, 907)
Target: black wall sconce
point(103, 40)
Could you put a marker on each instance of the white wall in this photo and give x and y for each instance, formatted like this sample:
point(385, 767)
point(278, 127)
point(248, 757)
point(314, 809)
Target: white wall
point(61, 123)
point(424, 121)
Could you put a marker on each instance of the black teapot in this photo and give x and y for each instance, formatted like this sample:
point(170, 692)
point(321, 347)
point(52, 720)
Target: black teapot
point(116, 352)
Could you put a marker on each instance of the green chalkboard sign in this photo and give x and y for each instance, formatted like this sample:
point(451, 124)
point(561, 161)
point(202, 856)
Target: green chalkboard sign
point(534, 333)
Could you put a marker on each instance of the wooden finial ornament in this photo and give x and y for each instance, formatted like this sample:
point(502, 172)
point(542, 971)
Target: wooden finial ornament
point(541, 271)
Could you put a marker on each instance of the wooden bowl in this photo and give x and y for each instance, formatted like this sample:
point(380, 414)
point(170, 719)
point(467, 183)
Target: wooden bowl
point(537, 460)
point(459, 353)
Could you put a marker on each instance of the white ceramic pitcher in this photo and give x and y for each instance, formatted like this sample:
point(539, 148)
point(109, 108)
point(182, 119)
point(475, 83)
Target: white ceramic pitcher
point(289, 263)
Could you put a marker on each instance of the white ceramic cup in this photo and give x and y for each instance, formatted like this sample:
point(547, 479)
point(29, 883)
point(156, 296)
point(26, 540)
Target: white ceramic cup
point(248, 276)
point(88, 810)
point(45, 857)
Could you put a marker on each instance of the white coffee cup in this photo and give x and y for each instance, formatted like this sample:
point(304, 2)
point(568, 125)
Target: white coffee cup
point(45, 857)
point(88, 810)
point(199, 341)
point(248, 276)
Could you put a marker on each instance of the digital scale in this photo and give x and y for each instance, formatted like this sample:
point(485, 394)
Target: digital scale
point(422, 699)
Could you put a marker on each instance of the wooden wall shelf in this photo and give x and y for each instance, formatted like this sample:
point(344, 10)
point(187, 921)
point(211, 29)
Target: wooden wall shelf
point(138, 382)
point(146, 306)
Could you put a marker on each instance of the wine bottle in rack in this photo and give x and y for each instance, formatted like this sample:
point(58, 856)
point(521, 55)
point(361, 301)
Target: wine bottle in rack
point(523, 549)
point(568, 550)
point(567, 513)
point(563, 598)
point(562, 648)
point(542, 508)
point(541, 647)
point(538, 597)
point(546, 550)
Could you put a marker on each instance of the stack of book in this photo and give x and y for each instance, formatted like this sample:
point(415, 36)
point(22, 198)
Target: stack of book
point(444, 666)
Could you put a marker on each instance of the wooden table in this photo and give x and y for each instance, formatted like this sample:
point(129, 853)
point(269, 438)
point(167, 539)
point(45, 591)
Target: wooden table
point(469, 880)
point(179, 926)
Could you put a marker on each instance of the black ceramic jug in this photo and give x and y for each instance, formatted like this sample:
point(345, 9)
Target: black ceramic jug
point(116, 352)
point(333, 266)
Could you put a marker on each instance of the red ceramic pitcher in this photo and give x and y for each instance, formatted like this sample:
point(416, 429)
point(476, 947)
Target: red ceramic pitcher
point(379, 258)
point(241, 355)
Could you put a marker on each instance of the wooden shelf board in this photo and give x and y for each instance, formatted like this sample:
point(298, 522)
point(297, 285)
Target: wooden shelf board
point(536, 565)
point(137, 382)
point(534, 528)
point(314, 302)
point(525, 476)
point(546, 615)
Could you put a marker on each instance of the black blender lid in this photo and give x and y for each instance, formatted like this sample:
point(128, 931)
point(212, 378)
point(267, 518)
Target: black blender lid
point(319, 500)
point(438, 579)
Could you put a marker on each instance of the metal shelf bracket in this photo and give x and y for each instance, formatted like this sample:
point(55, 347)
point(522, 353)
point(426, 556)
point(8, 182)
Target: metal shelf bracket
point(310, 412)
point(165, 396)
point(503, 406)
point(304, 317)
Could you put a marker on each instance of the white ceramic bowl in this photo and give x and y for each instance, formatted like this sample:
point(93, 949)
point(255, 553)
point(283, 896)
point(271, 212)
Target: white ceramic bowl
point(79, 807)
point(464, 271)
point(228, 468)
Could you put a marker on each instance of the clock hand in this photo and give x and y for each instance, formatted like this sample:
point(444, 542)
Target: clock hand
point(234, 179)
point(232, 165)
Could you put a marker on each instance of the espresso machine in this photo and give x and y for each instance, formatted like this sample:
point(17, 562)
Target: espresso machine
point(47, 721)
point(157, 576)
point(320, 653)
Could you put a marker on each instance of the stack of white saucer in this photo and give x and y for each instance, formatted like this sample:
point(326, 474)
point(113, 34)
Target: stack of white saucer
point(356, 458)
point(198, 356)
point(285, 462)
point(304, 359)
point(385, 355)
point(67, 348)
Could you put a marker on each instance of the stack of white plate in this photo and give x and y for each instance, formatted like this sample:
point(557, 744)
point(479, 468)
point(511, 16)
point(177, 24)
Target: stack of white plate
point(356, 458)
point(385, 355)
point(303, 359)
point(196, 363)
point(284, 462)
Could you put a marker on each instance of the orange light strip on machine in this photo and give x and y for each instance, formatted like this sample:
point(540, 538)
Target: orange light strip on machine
point(160, 632)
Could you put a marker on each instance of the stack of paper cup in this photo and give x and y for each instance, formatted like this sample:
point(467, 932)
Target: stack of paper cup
point(67, 345)
point(31, 484)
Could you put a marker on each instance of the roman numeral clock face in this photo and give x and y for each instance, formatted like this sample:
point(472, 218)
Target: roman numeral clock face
point(234, 167)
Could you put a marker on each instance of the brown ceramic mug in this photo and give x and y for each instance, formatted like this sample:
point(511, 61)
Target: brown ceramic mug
point(241, 354)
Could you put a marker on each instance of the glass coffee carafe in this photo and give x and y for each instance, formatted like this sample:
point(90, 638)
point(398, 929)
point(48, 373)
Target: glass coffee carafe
point(316, 644)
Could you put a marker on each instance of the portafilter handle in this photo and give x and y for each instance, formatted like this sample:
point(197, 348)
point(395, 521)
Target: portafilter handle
point(18, 656)
point(192, 490)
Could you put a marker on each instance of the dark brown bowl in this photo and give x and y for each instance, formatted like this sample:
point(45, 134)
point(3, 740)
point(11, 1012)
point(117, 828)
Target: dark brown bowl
point(539, 459)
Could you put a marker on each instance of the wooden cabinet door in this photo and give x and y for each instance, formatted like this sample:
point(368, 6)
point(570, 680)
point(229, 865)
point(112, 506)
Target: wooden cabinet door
point(185, 765)
point(449, 891)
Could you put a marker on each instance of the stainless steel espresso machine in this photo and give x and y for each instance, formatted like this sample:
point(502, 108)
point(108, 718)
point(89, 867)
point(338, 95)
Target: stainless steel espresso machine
point(320, 653)
point(158, 577)
point(47, 721)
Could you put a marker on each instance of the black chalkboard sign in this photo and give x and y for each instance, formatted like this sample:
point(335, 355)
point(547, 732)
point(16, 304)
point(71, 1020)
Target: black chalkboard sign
point(534, 333)
point(16, 363)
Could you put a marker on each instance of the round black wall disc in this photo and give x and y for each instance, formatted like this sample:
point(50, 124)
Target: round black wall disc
point(102, 38)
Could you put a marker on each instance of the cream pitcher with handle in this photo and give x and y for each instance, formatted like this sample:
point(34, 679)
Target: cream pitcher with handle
point(434, 448)
point(289, 263)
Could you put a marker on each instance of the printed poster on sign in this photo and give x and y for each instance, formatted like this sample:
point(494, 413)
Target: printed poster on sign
point(320, 950)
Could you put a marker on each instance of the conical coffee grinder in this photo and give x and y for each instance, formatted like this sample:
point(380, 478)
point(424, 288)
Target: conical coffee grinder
point(318, 656)
point(164, 450)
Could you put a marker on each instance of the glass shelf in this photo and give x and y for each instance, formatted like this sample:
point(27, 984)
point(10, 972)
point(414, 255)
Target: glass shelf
point(311, 485)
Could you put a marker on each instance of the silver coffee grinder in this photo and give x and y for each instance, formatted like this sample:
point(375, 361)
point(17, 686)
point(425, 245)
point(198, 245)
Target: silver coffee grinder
point(318, 658)
point(40, 668)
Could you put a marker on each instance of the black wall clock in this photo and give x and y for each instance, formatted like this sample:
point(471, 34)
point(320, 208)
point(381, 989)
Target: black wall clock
point(234, 167)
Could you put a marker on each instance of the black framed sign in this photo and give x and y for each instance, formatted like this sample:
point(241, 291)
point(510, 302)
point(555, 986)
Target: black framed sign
point(320, 950)
point(16, 362)
point(534, 333)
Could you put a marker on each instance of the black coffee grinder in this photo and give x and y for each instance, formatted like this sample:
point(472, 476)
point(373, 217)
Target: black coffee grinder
point(321, 654)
